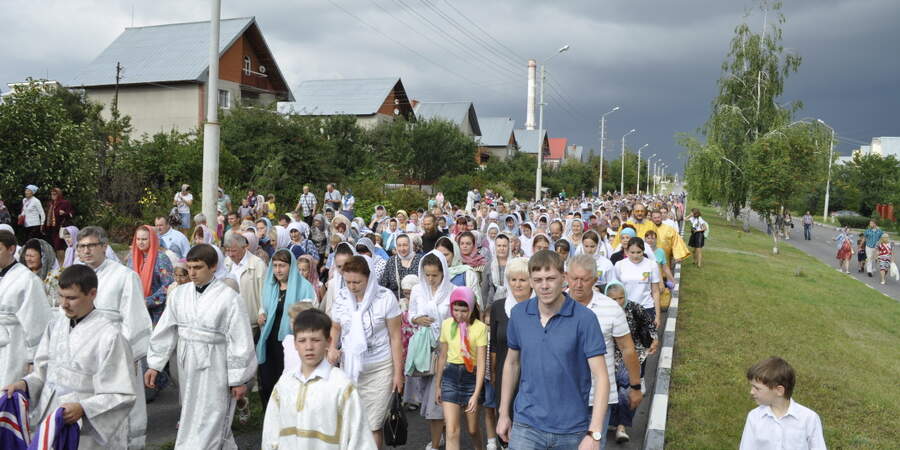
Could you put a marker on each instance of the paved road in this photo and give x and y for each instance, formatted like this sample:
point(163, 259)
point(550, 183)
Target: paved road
point(823, 248)
point(163, 415)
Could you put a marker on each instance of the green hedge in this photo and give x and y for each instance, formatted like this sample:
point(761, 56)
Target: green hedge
point(853, 221)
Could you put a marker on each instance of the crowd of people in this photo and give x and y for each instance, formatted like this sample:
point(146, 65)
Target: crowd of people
point(497, 310)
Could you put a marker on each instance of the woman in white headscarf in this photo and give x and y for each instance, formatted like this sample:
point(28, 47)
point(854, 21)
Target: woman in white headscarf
point(429, 305)
point(405, 261)
point(366, 339)
point(494, 279)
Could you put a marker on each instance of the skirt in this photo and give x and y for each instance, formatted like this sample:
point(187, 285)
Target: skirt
point(697, 240)
point(458, 385)
point(845, 252)
point(374, 386)
point(429, 409)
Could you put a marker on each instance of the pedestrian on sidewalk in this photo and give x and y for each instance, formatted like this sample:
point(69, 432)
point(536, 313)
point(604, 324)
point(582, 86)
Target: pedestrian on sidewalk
point(861, 251)
point(873, 235)
point(807, 226)
point(844, 249)
point(698, 236)
point(885, 256)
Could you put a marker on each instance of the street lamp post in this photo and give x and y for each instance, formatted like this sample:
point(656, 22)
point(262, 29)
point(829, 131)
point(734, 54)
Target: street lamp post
point(622, 178)
point(638, 187)
point(602, 142)
point(540, 136)
point(210, 180)
point(828, 181)
point(648, 173)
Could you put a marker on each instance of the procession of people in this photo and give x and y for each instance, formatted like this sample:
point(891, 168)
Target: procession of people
point(496, 312)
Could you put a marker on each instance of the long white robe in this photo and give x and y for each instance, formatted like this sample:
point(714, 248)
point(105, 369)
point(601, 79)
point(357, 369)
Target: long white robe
point(215, 352)
point(24, 314)
point(89, 364)
point(120, 298)
point(322, 414)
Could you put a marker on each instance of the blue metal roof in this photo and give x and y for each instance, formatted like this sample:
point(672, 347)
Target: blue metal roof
point(495, 131)
point(528, 140)
point(357, 97)
point(455, 112)
point(161, 53)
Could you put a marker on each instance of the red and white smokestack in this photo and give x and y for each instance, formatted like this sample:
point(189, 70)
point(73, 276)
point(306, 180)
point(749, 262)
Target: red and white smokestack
point(532, 85)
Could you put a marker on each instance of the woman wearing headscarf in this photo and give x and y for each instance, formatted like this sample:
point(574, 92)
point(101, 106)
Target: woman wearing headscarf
point(574, 230)
point(365, 246)
point(461, 274)
point(300, 245)
point(253, 244)
point(526, 239)
point(283, 286)
point(340, 226)
point(493, 230)
point(282, 237)
point(59, 215)
point(495, 279)
point(153, 268)
point(264, 236)
point(40, 258)
point(318, 234)
point(404, 262)
point(32, 216)
point(69, 235)
point(201, 235)
point(429, 305)
point(367, 340)
point(511, 225)
point(306, 265)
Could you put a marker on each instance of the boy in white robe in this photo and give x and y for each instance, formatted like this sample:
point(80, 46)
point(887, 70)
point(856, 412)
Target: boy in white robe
point(120, 298)
point(83, 365)
point(24, 312)
point(316, 406)
point(208, 324)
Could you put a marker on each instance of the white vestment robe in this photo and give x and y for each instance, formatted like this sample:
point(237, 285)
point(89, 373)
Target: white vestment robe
point(120, 298)
point(89, 364)
point(320, 414)
point(24, 314)
point(215, 352)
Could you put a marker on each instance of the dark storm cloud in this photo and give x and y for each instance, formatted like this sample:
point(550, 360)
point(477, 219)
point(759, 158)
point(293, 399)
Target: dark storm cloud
point(657, 59)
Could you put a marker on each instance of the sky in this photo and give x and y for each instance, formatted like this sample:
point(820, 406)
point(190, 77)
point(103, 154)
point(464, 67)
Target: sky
point(657, 59)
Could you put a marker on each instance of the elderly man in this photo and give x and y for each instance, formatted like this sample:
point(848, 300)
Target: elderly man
point(307, 205)
point(83, 365)
point(120, 299)
point(24, 312)
point(250, 271)
point(582, 276)
point(173, 239)
point(640, 222)
point(332, 197)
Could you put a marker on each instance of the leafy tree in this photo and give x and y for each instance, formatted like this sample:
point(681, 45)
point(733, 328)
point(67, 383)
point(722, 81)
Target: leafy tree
point(42, 145)
point(745, 109)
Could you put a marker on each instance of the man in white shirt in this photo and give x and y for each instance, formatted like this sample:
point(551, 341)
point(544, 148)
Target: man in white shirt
point(778, 422)
point(250, 271)
point(173, 239)
point(581, 276)
point(332, 198)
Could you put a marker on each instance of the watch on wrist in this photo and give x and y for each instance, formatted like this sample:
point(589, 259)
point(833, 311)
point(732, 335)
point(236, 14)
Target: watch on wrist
point(636, 387)
point(596, 435)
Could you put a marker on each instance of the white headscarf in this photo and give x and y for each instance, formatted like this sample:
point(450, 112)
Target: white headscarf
point(354, 344)
point(435, 304)
point(282, 237)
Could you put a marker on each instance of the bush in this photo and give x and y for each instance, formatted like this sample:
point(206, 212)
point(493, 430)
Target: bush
point(853, 221)
point(456, 187)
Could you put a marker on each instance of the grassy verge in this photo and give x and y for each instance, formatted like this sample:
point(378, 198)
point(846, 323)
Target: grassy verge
point(744, 305)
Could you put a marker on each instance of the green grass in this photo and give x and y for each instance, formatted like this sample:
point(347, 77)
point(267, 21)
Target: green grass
point(840, 336)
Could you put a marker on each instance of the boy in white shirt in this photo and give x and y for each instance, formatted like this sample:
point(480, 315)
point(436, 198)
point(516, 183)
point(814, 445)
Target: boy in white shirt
point(315, 407)
point(778, 422)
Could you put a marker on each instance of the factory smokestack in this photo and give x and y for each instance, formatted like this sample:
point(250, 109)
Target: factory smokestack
point(529, 109)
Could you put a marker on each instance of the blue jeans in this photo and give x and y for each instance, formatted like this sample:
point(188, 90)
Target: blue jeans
point(185, 220)
point(524, 437)
point(807, 231)
point(622, 414)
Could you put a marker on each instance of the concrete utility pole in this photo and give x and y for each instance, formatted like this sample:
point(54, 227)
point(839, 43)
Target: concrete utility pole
point(648, 174)
point(622, 179)
point(211, 127)
point(602, 143)
point(540, 137)
point(828, 182)
point(638, 187)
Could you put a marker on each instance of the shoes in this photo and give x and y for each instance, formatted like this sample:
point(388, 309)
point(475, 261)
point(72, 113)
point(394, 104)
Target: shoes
point(622, 437)
point(870, 274)
point(243, 411)
point(429, 447)
point(491, 445)
point(882, 282)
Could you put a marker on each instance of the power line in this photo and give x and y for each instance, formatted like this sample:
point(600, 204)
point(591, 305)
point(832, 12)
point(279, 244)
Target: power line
point(518, 57)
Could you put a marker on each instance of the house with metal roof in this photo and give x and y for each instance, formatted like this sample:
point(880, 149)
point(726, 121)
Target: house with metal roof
point(497, 140)
point(462, 114)
point(159, 73)
point(371, 100)
point(576, 152)
point(527, 141)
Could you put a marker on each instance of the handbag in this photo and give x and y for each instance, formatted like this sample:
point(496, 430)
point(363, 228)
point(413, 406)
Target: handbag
point(395, 426)
point(22, 219)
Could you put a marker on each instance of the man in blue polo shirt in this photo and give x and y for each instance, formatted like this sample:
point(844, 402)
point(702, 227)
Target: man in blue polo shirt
point(556, 345)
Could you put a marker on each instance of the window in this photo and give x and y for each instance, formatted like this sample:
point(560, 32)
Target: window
point(248, 66)
point(224, 99)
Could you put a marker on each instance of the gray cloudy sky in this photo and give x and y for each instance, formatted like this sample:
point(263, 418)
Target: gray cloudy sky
point(657, 59)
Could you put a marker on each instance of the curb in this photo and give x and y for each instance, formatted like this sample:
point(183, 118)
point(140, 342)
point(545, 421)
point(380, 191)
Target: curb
point(655, 436)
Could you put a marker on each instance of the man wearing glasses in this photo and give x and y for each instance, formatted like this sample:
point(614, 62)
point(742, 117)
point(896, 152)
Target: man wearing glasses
point(120, 298)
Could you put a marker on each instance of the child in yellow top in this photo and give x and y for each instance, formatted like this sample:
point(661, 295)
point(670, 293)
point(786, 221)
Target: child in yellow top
point(460, 367)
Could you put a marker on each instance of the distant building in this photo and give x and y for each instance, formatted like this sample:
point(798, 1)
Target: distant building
point(557, 152)
point(47, 85)
point(886, 146)
point(497, 140)
point(162, 85)
point(461, 114)
point(527, 141)
point(372, 100)
point(576, 152)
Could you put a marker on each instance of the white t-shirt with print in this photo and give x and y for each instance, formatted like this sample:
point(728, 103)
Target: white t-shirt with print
point(637, 279)
point(612, 321)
